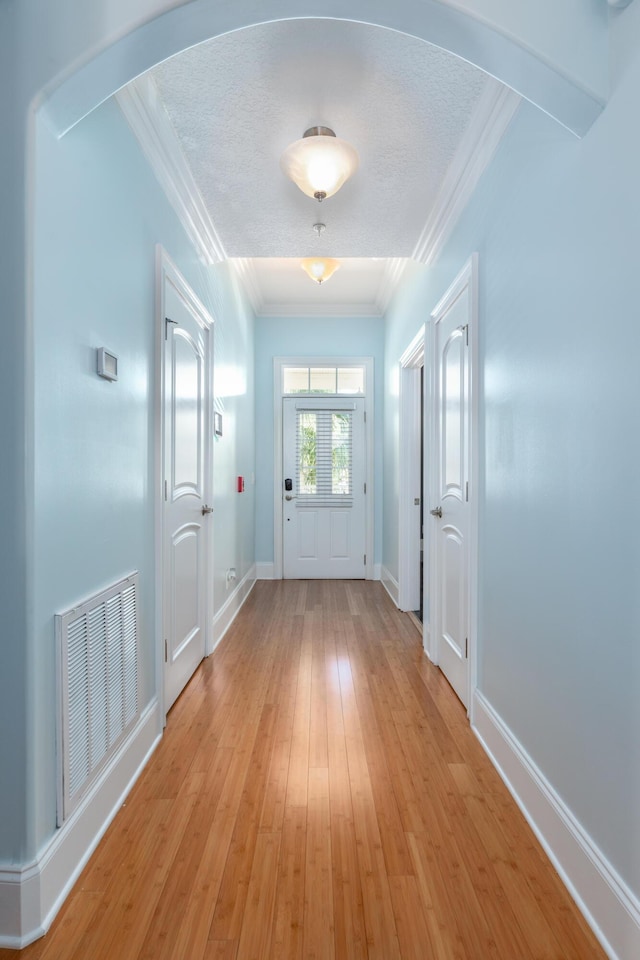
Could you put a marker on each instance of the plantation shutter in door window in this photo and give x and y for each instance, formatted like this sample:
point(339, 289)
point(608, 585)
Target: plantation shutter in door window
point(324, 458)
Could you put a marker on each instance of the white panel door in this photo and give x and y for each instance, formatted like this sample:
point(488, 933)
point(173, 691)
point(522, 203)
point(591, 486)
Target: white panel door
point(451, 509)
point(324, 464)
point(186, 478)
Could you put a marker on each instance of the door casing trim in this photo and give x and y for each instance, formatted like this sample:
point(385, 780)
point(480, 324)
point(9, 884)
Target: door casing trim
point(278, 364)
point(166, 270)
point(411, 362)
point(467, 278)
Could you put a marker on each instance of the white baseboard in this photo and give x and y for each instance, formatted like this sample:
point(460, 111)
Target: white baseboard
point(608, 904)
point(31, 894)
point(265, 571)
point(229, 610)
point(390, 584)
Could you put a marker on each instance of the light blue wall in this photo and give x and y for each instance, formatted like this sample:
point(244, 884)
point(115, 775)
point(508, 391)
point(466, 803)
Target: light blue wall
point(556, 222)
point(40, 43)
point(310, 337)
point(99, 215)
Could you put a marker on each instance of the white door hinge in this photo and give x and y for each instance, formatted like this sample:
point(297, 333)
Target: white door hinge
point(467, 494)
point(365, 488)
point(166, 651)
point(466, 330)
point(365, 416)
point(365, 559)
point(466, 647)
point(165, 490)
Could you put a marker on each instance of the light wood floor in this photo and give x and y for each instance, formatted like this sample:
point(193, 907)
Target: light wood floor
point(318, 794)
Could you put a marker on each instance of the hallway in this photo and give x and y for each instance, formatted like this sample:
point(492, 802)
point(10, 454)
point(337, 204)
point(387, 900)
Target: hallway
point(318, 793)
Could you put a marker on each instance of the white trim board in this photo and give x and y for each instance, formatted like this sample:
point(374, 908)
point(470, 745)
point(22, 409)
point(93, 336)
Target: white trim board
point(493, 114)
point(232, 605)
point(392, 275)
point(390, 584)
point(142, 108)
point(609, 906)
point(306, 309)
point(31, 894)
point(265, 571)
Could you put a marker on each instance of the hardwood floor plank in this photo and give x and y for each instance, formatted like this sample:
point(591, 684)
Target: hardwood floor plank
point(167, 927)
point(288, 927)
point(318, 756)
point(348, 910)
point(257, 920)
point(412, 925)
point(318, 793)
point(318, 939)
point(228, 916)
point(221, 950)
point(298, 775)
point(382, 938)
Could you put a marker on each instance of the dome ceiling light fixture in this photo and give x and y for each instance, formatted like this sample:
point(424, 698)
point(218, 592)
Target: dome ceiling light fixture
point(319, 268)
point(319, 163)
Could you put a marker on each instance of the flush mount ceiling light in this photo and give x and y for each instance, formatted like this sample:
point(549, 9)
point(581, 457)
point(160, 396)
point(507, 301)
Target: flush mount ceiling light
point(319, 163)
point(319, 268)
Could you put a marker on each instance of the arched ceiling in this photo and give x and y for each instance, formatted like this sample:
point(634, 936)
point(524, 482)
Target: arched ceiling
point(237, 101)
point(234, 104)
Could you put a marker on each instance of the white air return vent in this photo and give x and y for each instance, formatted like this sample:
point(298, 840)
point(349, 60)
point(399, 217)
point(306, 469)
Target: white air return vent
point(98, 701)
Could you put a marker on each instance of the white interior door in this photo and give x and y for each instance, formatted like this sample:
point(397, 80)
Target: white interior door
point(187, 476)
point(450, 491)
point(324, 463)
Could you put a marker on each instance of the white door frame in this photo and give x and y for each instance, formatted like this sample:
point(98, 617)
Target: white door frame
point(409, 486)
point(278, 364)
point(467, 278)
point(167, 272)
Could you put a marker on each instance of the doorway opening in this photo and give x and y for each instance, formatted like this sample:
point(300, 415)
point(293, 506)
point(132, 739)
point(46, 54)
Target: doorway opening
point(419, 613)
point(412, 557)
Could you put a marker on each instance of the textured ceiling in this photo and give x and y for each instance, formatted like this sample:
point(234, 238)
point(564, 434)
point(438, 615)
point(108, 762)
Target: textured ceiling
point(237, 101)
point(356, 289)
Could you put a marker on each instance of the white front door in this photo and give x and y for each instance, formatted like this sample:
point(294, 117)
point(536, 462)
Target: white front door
point(450, 488)
point(324, 469)
point(187, 477)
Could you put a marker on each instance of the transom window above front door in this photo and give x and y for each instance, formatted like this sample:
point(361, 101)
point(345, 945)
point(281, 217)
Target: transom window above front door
point(323, 380)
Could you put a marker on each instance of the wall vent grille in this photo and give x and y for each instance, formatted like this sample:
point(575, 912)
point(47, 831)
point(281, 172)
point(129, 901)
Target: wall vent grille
point(98, 700)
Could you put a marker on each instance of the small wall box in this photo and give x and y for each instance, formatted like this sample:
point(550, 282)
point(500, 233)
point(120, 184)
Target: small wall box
point(107, 364)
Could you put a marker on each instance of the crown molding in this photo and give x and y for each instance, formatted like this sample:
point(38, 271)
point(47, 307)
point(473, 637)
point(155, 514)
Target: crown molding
point(302, 310)
point(391, 277)
point(145, 114)
point(492, 116)
point(248, 277)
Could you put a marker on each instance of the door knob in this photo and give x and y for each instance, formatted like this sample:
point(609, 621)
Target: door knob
point(288, 496)
point(206, 509)
point(437, 512)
